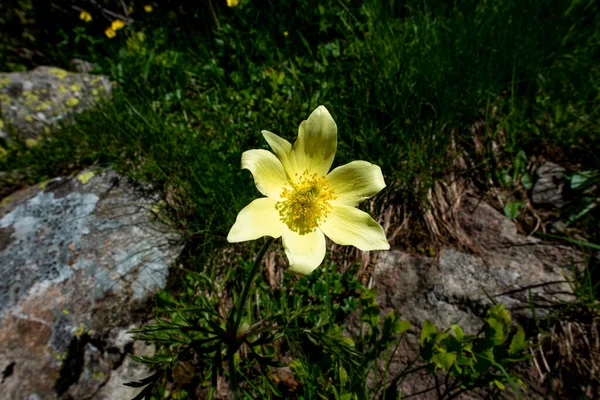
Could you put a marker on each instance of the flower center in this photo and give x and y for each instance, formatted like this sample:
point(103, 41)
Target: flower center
point(304, 207)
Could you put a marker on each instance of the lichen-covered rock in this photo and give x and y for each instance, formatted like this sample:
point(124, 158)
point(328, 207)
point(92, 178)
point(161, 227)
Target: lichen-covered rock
point(33, 102)
point(451, 288)
point(79, 258)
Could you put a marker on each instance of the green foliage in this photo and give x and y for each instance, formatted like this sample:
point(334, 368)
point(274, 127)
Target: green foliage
point(476, 360)
point(511, 209)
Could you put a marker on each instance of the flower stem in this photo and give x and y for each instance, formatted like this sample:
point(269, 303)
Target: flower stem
point(238, 311)
point(246, 291)
point(232, 373)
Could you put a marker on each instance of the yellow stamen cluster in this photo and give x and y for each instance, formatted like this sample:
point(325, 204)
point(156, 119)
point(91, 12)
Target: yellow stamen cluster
point(306, 205)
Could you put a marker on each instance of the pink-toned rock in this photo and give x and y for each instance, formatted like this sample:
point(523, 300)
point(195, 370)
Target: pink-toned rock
point(80, 260)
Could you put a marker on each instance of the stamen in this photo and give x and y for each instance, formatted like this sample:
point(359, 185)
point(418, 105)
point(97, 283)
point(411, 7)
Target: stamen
point(306, 205)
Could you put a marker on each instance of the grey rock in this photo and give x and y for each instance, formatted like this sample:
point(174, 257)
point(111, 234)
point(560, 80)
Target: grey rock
point(81, 65)
point(128, 371)
point(451, 288)
point(80, 259)
point(33, 102)
point(549, 186)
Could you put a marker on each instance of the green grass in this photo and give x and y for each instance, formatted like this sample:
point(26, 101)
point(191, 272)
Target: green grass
point(402, 81)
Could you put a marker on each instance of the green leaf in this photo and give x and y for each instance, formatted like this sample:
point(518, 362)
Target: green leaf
point(392, 324)
point(526, 181)
point(506, 178)
point(370, 315)
point(580, 180)
point(444, 360)
point(428, 332)
point(458, 332)
point(588, 205)
point(483, 360)
point(520, 161)
point(518, 342)
point(428, 335)
point(499, 333)
point(401, 326)
point(499, 384)
point(343, 376)
point(511, 210)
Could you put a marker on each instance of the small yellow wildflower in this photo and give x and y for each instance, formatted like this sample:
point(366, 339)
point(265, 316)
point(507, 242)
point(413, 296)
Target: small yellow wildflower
point(233, 3)
point(148, 8)
point(85, 16)
point(304, 201)
point(110, 33)
point(285, 33)
point(117, 24)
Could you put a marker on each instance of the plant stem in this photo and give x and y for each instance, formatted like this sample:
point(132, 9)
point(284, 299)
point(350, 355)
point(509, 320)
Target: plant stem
point(238, 311)
point(246, 291)
point(232, 373)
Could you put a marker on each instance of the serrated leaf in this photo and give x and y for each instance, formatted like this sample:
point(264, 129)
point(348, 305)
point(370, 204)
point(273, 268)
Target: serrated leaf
point(498, 332)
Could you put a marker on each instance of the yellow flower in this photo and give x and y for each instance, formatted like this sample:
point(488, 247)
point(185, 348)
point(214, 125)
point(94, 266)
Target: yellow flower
point(233, 3)
point(85, 16)
point(117, 24)
point(110, 32)
point(148, 8)
point(304, 201)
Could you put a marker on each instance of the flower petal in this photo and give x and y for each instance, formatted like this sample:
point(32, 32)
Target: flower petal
point(315, 147)
point(269, 175)
point(305, 252)
point(257, 219)
point(347, 225)
point(355, 182)
point(283, 150)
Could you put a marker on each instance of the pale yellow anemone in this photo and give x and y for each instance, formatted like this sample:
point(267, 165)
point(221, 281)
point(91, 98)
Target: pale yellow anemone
point(304, 202)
